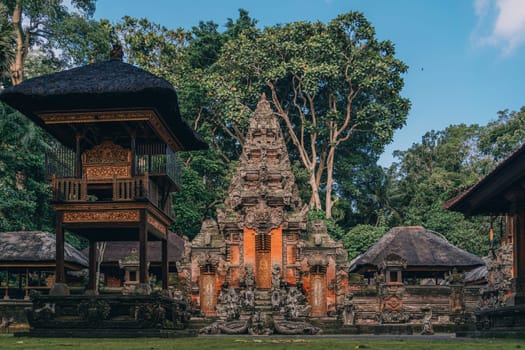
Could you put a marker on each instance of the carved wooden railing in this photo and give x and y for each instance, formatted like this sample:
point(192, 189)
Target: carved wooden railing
point(72, 189)
point(130, 189)
point(69, 189)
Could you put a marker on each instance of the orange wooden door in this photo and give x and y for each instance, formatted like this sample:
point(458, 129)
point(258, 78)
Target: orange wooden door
point(317, 294)
point(263, 261)
point(207, 293)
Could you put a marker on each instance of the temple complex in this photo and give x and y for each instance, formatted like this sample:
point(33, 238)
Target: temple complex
point(262, 255)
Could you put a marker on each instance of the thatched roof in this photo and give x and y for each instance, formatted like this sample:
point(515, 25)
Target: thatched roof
point(421, 248)
point(35, 247)
point(101, 86)
point(118, 250)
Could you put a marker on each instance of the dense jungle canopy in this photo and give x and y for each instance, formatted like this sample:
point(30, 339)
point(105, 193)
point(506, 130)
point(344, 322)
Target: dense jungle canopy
point(336, 90)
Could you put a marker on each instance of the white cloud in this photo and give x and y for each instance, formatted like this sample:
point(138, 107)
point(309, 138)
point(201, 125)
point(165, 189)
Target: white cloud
point(501, 23)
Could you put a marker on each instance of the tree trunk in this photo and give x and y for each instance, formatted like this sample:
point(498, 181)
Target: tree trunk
point(16, 70)
point(315, 199)
point(101, 249)
point(329, 181)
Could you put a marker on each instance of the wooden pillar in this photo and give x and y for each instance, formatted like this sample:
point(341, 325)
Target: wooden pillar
point(78, 157)
point(60, 275)
point(143, 249)
point(133, 154)
point(519, 259)
point(92, 282)
point(165, 264)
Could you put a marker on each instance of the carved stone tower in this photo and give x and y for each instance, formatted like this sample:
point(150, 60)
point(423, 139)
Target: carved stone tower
point(259, 247)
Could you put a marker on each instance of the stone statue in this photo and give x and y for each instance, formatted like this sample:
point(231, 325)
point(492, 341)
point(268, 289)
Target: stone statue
point(349, 310)
point(249, 277)
point(295, 305)
point(232, 305)
point(276, 299)
point(427, 320)
point(186, 256)
point(248, 299)
point(259, 324)
point(276, 276)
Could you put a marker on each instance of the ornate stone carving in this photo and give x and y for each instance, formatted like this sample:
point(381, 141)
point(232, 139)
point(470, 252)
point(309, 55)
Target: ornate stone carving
point(348, 314)
point(94, 310)
point(427, 320)
point(102, 216)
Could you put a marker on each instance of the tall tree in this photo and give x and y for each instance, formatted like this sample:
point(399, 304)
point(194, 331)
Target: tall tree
point(327, 82)
point(7, 38)
point(42, 23)
point(441, 166)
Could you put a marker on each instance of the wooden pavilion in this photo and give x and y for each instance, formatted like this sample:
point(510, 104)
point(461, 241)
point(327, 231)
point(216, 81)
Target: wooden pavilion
point(113, 168)
point(28, 262)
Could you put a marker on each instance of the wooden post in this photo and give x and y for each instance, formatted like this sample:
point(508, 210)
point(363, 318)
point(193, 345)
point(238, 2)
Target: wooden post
point(143, 249)
point(519, 259)
point(165, 263)
point(60, 275)
point(78, 157)
point(133, 154)
point(92, 266)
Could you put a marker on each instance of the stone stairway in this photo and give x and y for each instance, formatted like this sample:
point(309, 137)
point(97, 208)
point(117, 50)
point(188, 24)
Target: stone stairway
point(263, 301)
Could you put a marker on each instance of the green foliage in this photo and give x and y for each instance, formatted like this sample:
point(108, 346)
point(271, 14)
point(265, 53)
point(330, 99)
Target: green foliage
point(24, 193)
point(361, 237)
point(503, 135)
point(334, 230)
point(7, 39)
point(443, 165)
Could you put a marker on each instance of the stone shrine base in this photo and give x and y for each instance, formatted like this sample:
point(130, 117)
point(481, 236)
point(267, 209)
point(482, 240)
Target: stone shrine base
point(504, 322)
point(115, 316)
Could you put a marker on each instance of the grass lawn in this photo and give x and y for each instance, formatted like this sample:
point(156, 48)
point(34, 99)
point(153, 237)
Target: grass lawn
point(8, 342)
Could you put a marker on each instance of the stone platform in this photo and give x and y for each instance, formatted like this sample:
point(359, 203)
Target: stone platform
point(107, 316)
point(504, 322)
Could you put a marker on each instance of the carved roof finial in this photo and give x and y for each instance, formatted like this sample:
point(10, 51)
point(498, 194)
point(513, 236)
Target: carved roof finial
point(116, 53)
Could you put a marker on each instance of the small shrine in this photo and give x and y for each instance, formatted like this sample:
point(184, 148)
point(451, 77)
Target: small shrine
point(262, 258)
point(113, 169)
point(410, 279)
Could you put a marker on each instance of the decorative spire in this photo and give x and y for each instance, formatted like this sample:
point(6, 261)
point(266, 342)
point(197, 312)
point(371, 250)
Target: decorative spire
point(116, 53)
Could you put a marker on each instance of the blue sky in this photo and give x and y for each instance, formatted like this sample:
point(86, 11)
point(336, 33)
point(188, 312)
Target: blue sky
point(466, 57)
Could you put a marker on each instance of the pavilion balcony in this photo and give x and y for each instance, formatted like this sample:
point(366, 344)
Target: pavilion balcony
point(136, 188)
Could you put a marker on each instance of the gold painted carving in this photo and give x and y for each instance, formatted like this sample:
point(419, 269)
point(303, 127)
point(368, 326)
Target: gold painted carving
point(107, 152)
point(103, 216)
point(156, 224)
point(107, 172)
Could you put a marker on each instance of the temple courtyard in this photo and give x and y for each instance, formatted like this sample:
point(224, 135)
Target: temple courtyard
point(438, 341)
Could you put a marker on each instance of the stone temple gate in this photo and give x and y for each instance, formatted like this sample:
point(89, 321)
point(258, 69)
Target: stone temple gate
point(261, 255)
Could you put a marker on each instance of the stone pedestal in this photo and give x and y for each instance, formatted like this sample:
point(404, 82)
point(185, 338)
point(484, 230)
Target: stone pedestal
point(59, 289)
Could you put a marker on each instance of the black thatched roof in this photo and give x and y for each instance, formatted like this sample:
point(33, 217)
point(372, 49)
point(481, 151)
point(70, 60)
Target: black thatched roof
point(421, 248)
point(35, 247)
point(118, 250)
point(102, 86)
